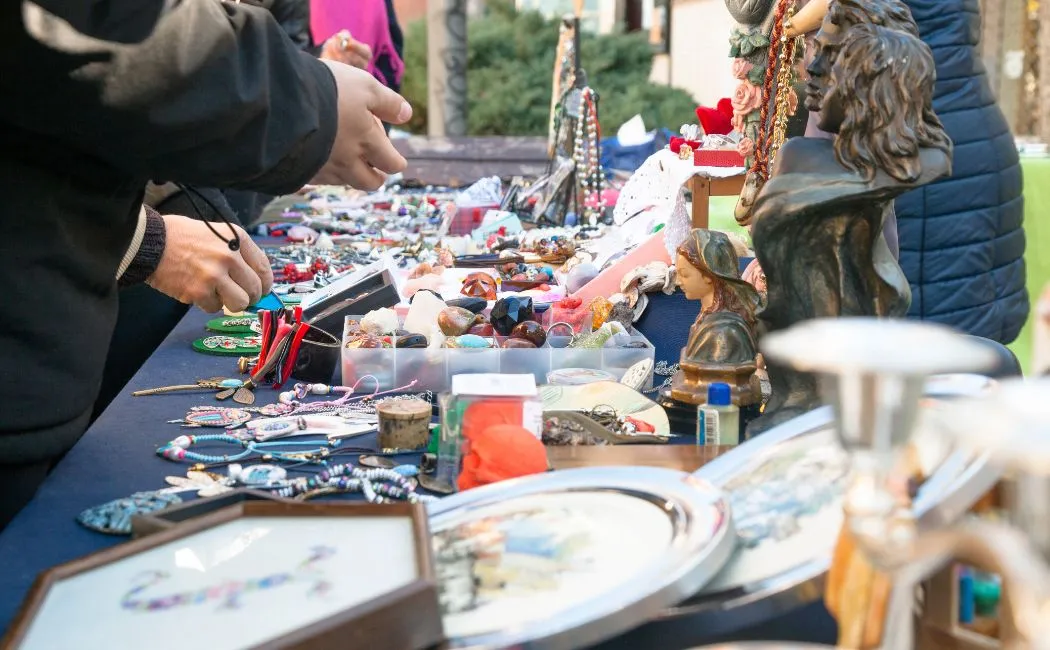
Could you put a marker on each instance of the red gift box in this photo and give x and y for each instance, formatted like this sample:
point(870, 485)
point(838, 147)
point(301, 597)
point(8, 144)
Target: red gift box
point(717, 158)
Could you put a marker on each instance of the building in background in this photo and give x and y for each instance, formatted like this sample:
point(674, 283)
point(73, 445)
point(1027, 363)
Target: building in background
point(410, 10)
point(690, 38)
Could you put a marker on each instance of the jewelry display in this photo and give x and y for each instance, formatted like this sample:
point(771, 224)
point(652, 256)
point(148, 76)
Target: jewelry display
point(214, 417)
point(227, 388)
point(377, 485)
point(228, 345)
point(114, 517)
point(206, 484)
point(178, 449)
point(332, 426)
point(234, 325)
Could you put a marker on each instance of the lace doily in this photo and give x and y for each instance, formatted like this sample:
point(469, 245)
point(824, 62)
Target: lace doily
point(655, 195)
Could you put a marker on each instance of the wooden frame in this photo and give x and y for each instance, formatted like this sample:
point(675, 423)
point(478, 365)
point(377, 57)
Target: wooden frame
point(704, 188)
point(155, 522)
point(380, 622)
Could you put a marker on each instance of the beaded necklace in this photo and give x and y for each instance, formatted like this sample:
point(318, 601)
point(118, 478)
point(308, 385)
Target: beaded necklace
point(177, 449)
point(377, 485)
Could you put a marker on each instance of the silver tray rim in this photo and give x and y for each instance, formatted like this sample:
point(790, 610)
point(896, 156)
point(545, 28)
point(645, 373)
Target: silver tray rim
point(693, 558)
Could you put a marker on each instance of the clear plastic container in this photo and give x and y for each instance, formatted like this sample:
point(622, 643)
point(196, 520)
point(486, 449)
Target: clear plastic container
point(433, 368)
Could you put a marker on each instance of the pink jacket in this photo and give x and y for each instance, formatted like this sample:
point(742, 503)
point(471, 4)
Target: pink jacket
point(367, 21)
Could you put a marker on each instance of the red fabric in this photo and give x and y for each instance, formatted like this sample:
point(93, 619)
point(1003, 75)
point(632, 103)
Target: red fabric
point(714, 120)
point(677, 142)
point(501, 452)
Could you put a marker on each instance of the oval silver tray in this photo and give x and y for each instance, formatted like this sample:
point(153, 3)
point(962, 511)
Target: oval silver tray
point(957, 483)
point(701, 540)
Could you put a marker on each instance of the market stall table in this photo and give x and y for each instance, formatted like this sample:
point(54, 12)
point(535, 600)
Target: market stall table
point(117, 457)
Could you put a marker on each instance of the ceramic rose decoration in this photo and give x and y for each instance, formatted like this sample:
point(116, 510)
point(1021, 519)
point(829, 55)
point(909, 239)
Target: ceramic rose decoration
point(749, 48)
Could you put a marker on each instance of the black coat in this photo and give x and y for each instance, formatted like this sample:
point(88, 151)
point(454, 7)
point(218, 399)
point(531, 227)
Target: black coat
point(962, 245)
point(98, 98)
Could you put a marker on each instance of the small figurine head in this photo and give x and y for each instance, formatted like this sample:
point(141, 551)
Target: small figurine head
point(708, 270)
point(881, 95)
point(841, 17)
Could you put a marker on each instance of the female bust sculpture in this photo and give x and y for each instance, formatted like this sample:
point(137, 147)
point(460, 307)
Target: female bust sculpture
point(817, 224)
point(722, 345)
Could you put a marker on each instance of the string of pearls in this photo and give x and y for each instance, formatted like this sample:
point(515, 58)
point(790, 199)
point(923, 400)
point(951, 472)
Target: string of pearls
point(587, 156)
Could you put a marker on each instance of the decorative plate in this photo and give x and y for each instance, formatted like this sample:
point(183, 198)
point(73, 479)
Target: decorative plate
point(567, 559)
point(785, 488)
point(637, 376)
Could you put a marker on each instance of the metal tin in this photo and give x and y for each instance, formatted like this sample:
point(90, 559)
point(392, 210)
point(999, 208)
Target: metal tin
point(957, 483)
point(651, 537)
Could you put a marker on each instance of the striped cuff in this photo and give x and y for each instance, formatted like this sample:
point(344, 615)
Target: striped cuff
point(147, 252)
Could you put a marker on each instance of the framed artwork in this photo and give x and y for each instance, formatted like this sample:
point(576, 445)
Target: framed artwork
point(786, 489)
point(255, 575)
point(570, 558)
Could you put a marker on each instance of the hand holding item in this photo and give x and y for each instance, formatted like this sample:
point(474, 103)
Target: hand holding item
point(344, 49)
point(362, 152)
point(199, 268)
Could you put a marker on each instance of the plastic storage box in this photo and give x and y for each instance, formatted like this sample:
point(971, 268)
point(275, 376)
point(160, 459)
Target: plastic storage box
point(432, 368)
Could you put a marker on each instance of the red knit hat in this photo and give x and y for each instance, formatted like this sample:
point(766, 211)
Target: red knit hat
point(716, 121)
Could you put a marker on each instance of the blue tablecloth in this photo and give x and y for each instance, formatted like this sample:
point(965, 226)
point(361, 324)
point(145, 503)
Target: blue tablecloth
point(117, 456)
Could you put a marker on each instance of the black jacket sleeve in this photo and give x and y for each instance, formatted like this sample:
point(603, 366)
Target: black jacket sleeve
point(294, 18)
point(197, 91)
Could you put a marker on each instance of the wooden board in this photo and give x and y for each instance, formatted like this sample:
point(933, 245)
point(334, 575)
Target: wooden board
point(459, 162)
point(685, 458)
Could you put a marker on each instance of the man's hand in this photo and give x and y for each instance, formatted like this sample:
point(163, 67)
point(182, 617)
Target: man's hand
point(343, 48)
point(198, 268)
point(362, 152)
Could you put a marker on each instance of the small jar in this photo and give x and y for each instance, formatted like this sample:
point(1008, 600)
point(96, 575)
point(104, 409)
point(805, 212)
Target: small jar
point(404, 425)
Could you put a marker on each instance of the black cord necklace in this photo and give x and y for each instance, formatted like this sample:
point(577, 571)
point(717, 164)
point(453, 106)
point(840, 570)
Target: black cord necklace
point(235, 242)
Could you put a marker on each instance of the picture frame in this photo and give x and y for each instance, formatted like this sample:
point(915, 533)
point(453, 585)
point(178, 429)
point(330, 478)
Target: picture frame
point(155, 522)
point(258, 574)
point(572, 558)
point(725, 606)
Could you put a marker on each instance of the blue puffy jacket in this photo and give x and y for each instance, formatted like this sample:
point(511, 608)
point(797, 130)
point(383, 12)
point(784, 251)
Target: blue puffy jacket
point(961, 240)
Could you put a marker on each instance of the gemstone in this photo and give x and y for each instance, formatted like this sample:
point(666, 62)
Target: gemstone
point(481, 329)
point(411, 341)
point(518, 344)
point(475, 305)
point(366, 341)
point(530, 331)
point(430, 291)
point(509, 311)
point(480, 285)
point(454, 321)
point(469, 341)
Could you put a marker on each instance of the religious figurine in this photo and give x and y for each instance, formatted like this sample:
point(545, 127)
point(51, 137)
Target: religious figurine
point(817, 224)
point(722, 345)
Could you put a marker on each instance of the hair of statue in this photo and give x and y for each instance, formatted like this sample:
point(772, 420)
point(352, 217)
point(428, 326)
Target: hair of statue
point(726, 295)
point(884, 79)
point(892, 14)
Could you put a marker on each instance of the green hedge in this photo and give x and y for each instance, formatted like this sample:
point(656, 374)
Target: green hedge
point(510, 63)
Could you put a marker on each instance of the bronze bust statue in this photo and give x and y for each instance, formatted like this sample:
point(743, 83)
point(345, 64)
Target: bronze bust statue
point(817, 223)
point(722, 345)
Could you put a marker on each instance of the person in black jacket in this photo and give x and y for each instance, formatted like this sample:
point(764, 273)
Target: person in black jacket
point(99, 97)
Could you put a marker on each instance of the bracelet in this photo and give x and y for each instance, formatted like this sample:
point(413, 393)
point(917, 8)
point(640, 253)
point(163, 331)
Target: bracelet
point(178, 449)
